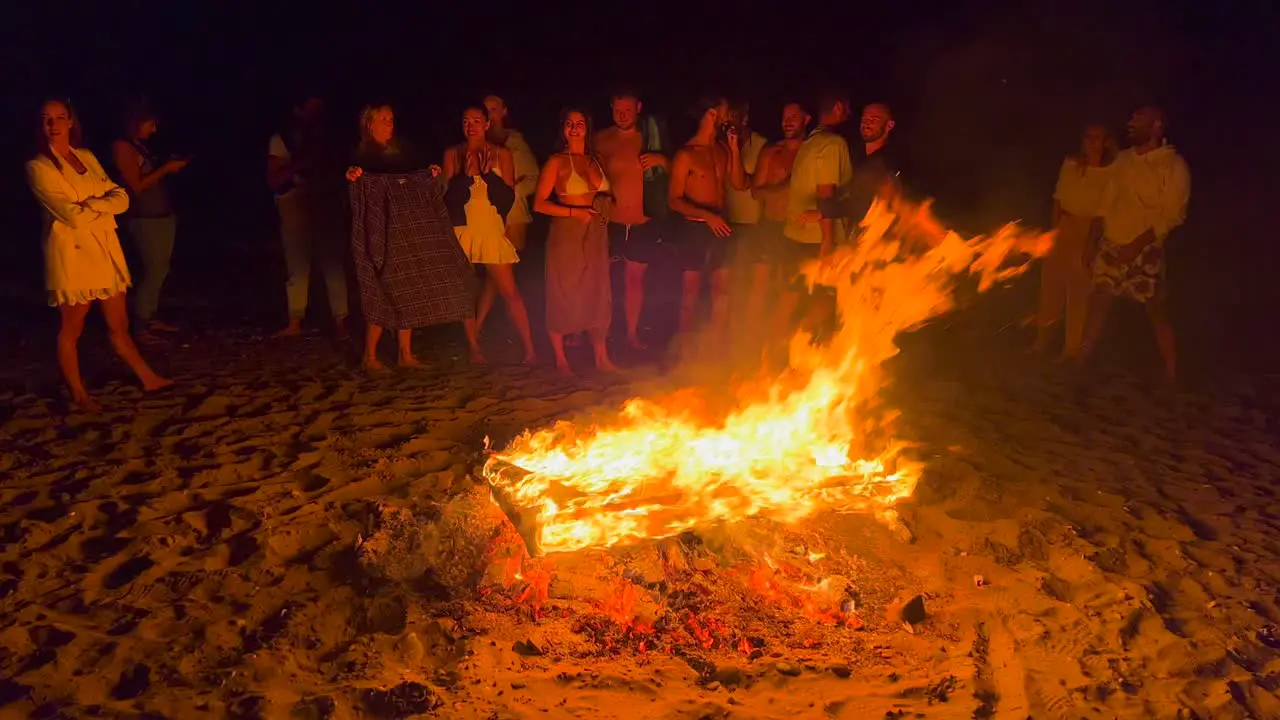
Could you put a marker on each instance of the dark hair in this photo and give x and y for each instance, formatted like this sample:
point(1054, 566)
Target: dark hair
point(480, 108)
point(135, 114)
point(562, 145)
point(887, 109)
point(622, 92)
point(76, 135)
point(831, 97)
point(705, 103)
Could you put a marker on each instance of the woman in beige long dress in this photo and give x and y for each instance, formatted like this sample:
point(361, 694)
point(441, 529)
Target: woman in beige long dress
point(83, 262)
point(577, 269)
point(1066, 280)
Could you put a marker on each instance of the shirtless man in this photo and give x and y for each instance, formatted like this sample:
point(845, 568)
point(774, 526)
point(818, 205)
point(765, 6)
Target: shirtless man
point(771, 185)
point(700, 173)
point(621, 151)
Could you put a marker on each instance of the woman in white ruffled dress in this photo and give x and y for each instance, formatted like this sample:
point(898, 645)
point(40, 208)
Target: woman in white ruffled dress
point(83, 261)
point(479, 175)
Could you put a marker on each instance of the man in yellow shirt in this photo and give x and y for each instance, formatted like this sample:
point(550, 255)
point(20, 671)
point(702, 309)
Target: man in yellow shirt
point(1146, 200)
point(822, 165)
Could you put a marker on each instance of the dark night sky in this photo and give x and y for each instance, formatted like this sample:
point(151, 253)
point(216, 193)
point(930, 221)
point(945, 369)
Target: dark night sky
point(989, 93)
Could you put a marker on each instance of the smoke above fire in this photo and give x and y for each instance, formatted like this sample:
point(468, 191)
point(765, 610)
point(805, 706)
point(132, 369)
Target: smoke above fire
point(814, 438)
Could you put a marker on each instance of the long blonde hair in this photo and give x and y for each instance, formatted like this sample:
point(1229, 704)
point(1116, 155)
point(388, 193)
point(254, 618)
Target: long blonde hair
point(367, 143)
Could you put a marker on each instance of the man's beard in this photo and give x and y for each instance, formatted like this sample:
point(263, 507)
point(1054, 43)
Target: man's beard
point(874, 137)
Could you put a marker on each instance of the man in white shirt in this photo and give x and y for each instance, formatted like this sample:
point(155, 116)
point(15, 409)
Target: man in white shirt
point(300, 161)
point(1146, 201)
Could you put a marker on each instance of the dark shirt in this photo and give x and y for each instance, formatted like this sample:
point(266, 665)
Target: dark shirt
point(154, 201)
point(870, 174)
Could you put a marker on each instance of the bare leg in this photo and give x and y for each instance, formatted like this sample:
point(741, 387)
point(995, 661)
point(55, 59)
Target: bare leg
point(600, 344)
point(487, 295)
point(116, 312)
point(1158, 311)
point(761, 275)
point(557, 347)
point(472, 332)
point(72, 325)
point(633, 302)
point(782, 327)
point(404, 342)
point(505, 279)
point(372, 334)
point(692, 285)
point(1099, 308)
point(720, 303)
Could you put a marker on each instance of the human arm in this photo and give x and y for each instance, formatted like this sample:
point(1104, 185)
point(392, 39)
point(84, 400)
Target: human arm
point(1172, 210)
point(542, 202)
point(451, 168)
point(832, 169)
point(127, 160)
point(734, 169)
point(114, 200)
point(281, 167)
point(654, 160)
point(51, 191)
point(677, 202)
point(760, 187)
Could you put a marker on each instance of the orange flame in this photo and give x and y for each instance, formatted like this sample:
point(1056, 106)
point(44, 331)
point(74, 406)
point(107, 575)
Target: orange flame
point(789, 449)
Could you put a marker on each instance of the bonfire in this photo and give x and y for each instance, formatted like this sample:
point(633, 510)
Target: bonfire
point(686, 511)
point(815, 439)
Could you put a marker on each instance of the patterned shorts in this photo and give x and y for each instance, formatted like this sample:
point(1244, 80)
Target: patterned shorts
point(1139, 279)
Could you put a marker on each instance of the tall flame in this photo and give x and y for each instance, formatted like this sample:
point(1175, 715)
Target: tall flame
point(810, 440)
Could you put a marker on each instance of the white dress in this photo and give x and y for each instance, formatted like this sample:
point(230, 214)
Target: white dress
point(83, 261)
point(484, 237)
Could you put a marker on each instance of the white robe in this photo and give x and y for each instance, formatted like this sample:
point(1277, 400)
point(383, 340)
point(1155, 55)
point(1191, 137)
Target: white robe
point(83, 261)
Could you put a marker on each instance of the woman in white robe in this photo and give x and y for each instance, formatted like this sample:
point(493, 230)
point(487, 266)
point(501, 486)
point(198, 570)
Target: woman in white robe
point(83, 261)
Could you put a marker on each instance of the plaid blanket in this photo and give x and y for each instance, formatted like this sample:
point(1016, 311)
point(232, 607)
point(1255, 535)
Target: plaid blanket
point(412, 271)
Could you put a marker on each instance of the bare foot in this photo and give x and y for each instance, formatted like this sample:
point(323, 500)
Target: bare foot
point(564, 370)
point(476, 356)
point(605, 365)
point(373, 365)
point(635, 344)
point(409, 361)
point(156, 383)
point(161, 326)
point(146, 337)
point(530, 358)
point(293, 329)
point(86, 404)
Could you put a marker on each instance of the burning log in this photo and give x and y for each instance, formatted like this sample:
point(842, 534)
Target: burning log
point(502, 475)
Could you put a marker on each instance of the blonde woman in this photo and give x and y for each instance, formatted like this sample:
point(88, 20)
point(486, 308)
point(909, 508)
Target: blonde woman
point(411, 270)
point(82, 257)
point(1066, 278)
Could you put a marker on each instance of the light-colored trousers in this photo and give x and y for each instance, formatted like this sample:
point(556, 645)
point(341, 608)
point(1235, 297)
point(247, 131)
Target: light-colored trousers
point(1066, 283)
point(310, 237)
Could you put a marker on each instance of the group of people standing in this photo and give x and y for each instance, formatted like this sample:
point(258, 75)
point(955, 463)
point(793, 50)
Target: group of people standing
point(418, 231)
point(1113, 212)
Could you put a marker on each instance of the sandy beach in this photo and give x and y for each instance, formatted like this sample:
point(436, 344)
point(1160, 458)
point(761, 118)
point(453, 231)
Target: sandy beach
point(1081, 547)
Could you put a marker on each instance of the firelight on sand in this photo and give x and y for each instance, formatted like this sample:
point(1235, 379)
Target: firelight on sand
point(813, 439)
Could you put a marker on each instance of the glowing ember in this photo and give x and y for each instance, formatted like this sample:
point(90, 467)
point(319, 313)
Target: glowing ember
point(805, 442)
